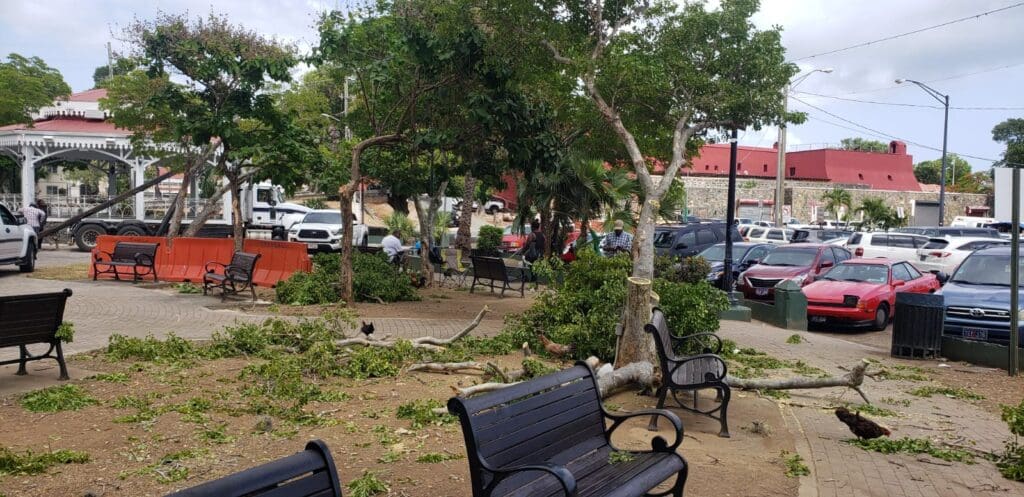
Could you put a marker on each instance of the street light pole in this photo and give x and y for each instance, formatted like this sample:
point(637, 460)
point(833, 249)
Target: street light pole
point(944, 100)
point(780, 172)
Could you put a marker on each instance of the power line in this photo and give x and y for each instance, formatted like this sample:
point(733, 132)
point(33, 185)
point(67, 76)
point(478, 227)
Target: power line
point(946, 78)
point(900, 104)
point(908, 33)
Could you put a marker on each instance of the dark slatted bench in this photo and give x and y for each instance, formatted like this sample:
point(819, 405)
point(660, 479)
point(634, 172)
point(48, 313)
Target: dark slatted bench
point(141, 257)
point(233, 277)
point(495, 270)
point(690, 373)
point(30, 319)
point(310, 473)
point(548, 437)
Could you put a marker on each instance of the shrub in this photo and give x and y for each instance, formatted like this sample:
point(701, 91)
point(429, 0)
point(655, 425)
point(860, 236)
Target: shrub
point(315, 203)
point(1011, 462)
point(489, 240)
point(318, 287)
point(689, 270)
point(691, 307)
point(400, 222)
point(374, 278)
point(171, 349)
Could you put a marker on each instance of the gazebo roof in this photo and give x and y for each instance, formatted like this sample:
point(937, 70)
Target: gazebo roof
point(93, 95)
point(69, 124)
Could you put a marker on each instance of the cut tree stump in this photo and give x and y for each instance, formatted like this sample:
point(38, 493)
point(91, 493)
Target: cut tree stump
point(636, 345)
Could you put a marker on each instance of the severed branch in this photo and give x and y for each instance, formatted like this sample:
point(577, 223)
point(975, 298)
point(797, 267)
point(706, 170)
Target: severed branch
point(426, 343)
point(481, 388)
point(448, 367)
point(465, 331)
point(854, 379)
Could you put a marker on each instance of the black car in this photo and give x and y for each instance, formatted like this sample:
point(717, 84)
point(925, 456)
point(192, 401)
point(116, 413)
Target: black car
point(687, 240)
point(744, 255)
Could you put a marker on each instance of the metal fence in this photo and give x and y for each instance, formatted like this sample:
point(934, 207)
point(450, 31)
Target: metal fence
point(66, 206)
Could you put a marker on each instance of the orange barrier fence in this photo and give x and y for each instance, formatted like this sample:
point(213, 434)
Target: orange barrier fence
point(186, 260)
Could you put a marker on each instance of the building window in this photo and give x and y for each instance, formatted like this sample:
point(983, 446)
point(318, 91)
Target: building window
point(707, 167)
point(765, 167)
point(716, 168)
point(739, 166)
point(792, 171)
point(51, 190)
point(890, 177)
point(860, 176)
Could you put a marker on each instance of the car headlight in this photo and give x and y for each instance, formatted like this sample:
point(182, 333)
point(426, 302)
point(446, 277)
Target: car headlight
point(799, 280)
point(336, 232)
point(293, 232)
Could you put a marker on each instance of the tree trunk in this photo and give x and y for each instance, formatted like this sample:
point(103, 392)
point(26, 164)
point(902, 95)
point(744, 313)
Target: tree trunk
point(636, 345)
point(211, 207)
point(237, 222)
point(398, 203)
point(179, 206)
point(464, 237)
point(643, 242)
point(427, 216)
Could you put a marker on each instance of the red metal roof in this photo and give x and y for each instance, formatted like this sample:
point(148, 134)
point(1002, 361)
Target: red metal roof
point(93, 95)
point(69, 125)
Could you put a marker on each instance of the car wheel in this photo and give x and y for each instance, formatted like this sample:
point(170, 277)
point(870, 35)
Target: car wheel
point(29, 264)
point(881, 317)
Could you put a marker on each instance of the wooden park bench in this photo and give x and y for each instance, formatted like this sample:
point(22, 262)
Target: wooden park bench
point(549, 437)
point(495, 270)
point(690, 372)
point(310, 473)
point(138, 256)
point(31, 319)
point(233, 277)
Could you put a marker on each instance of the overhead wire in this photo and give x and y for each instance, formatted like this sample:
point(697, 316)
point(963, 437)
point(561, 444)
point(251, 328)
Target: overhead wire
point(901, 104)
point(908, 33)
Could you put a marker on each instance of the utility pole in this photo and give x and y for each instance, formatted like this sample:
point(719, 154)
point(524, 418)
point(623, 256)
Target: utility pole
point(780, 172)
point(110, 61)
point(944, 100)
point(1012, 366)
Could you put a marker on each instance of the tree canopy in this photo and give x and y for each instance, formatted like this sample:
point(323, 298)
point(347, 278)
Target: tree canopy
point(26, 84)
point(1011, 133)
point(928, 172)
point(864, 144)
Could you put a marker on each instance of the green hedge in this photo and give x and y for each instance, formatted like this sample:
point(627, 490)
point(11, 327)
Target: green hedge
point(373, 278)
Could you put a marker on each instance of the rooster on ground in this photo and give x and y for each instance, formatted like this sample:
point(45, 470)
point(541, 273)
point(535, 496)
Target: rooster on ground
point(367, 329)
point(556, 349)
point(861, 426)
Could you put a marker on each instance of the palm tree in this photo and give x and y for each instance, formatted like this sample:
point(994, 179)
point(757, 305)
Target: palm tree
point(878, 215)
point(837, 198)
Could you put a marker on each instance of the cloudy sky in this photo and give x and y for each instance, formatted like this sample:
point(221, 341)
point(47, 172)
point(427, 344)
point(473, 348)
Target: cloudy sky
point(978, 62)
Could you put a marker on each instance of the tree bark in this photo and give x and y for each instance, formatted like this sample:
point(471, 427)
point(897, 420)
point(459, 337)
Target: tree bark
point(636, 345)
point(643, 241)
point(237, 223)
point(636, 374)
point(179, 205)
point(854, 379)
point(211, 207)
point(464, 237)
point(427, 215)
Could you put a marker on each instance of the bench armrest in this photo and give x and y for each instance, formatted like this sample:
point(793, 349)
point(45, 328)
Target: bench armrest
point(658, 444)
point(719, 376)
point(144, 259)
point(215, 264)
point(563, 475)
point(96, 256)
point(712, 346)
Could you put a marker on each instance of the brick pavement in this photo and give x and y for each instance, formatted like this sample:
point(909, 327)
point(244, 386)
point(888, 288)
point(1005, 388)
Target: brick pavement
point(842, 470)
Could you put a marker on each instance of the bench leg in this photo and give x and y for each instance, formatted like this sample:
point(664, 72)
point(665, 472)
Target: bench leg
point(252, 290)
point(473, 286)
point(23, 359)
point(60, 361)
point(662, 392)
point(725, 393)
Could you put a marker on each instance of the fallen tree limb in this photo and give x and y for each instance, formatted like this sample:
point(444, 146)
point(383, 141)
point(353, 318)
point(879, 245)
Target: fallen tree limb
point(448, 367)
point(383, 344)
point(426, 343)
point(853, 380)
point(481, 388)
point(638, 374)
point(465, 331)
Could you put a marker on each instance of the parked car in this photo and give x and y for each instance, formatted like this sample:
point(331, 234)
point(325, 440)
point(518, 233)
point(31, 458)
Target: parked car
point(513, 240)
point(945, 254)
point(494, 205)
point(977, 297)
point(863, 292)
point(320, 230)
point(744, 255)
point(819, 235)
point(17, 241)
point(744, 220)
point(972, 221)
point(896, 246)
point(800, 262)
point(686, 240)
point(950, 231)
point(764, 224)
point(774, 236)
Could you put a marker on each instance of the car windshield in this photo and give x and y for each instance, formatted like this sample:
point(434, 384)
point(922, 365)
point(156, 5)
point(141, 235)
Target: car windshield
point(715, 253)
point(664, 238)
point(859, 273)
point(322, 218)
point(508, 230)
point(985, 270)
point(790, 257)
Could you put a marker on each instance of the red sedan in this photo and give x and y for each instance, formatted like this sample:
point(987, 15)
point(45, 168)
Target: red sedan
point(863, 291)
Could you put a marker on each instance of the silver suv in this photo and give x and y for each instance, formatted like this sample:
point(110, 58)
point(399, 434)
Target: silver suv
point(17, 241)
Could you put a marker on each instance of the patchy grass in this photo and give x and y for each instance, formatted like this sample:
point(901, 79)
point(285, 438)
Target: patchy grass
point(794, 464)
point(953, 393)
point(437, 457)
point(754, 364)
point(907, 445)
point(367, 485)
point(795, 339)
point(421, 413)
point(900, 372)
point(59, 398)
point(27, 463)
point(893, 401)
point(70, 272)
point(111, 377)
point(618, 456)
point(170, 468)
point(873, 410)
point(774, 394)
point(187, 288)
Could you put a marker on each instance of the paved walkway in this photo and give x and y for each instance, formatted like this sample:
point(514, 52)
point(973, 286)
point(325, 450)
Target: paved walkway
point(839, 469)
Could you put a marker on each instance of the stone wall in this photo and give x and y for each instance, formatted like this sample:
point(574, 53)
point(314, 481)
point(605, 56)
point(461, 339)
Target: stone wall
point(706, 197)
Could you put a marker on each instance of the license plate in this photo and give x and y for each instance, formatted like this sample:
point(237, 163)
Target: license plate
point(312, 245)
point(760, 292)
point(817, 319)
point(975, 334)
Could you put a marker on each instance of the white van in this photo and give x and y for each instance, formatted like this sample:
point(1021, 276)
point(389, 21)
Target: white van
point(895, 246)
point(972, 222)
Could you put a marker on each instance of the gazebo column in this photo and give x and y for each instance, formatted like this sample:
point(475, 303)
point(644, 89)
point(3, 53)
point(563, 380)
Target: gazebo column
point(28, 176)
point(226, 203)
point(138, 178)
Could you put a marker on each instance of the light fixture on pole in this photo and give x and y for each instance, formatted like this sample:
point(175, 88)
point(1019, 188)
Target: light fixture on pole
point(780, 173)
point(944, 100)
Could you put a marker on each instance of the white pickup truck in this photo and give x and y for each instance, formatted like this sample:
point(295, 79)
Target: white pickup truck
point(17, 241)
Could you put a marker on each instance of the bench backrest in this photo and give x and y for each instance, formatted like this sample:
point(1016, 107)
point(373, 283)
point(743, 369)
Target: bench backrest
point(28, 319)
point(662, 334)
point(531, 421)
point(126, 251)
point(310, 473)
point(246, 262)
point(491, 268)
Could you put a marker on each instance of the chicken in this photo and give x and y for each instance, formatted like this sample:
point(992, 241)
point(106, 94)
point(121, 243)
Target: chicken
point(367, 329)
point(861, 426)
point(556, 349)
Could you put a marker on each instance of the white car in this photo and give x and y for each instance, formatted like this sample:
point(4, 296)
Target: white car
point(320, 230)
point(895, 246)
point(946, 254)
point(17, 241)
point(774, 236)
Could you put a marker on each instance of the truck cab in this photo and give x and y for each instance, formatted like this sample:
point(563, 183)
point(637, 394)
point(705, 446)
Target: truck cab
point(265, 206)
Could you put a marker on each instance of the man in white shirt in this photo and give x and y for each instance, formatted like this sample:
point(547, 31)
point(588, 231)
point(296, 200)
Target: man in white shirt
point(392, 245)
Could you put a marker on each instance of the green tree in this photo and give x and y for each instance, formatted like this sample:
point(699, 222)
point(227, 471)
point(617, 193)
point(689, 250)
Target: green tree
point(1011, 132)
point(121, 66)
point(877, 215)
point(864, 144)
point(660, 75)
point(928, 172)
point(26, 84)
point(979, 182)
point(835, 200)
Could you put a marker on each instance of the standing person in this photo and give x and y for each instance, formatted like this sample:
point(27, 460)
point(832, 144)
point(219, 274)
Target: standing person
point(618, 240)
point(41, 205)
point(533, 249)
point(392, 245)
point(34, 217)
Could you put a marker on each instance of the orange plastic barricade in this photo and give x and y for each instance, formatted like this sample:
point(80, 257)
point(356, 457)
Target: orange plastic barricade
point(278, 261)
